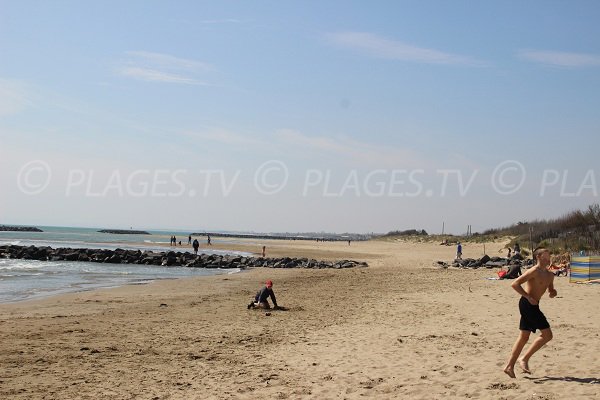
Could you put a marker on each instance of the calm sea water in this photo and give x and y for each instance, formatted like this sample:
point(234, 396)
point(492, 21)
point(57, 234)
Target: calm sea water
point(28, 279)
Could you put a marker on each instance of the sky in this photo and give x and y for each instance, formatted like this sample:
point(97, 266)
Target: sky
point(298, 116)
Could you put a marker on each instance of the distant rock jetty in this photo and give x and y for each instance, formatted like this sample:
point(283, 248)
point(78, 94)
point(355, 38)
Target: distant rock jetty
point(5, 228)
point(166, 258)
point(124, 232)
point(278, 236)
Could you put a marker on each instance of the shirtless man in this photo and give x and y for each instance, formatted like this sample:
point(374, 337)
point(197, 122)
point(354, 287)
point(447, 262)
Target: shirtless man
point(538, 278)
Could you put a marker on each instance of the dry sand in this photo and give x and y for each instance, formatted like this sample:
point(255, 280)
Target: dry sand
point(398, 329)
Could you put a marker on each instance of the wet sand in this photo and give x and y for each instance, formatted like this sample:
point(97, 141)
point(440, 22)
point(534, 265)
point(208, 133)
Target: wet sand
point(398, 329)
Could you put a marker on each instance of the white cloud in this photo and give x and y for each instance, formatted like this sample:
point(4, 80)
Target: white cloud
point(168, 61)
point(561, 59)
point(354, 150)
point(153, 75)
point(165, 68)
point(223, 136)
point(380, 47)
point(14, 97)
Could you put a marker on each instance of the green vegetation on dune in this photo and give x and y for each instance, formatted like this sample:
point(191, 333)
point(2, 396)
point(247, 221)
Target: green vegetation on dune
point(575, 231)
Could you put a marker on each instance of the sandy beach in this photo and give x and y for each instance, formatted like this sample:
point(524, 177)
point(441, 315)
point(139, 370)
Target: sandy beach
point(400, 328)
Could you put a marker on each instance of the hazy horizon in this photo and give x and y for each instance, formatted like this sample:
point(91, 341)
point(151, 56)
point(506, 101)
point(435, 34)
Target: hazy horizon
point(338, 116)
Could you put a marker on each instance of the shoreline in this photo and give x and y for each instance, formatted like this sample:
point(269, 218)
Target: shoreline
point(133, 263)
point(398, 329)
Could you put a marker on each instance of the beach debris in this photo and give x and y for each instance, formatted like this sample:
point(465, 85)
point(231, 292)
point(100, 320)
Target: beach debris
point(503, 386)
point(267, 314)
point(168, 258)
point(163, 305)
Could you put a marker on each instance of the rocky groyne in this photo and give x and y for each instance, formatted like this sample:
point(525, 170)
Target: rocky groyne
point(5, 228)
point(124, 232)
point(166, 258)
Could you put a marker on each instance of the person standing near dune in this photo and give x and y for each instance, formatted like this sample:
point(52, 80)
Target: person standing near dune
point(538, 279)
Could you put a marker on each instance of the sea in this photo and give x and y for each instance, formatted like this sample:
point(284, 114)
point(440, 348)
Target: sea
point(30, 279)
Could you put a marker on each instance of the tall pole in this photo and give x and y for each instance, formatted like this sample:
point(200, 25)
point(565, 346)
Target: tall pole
point(531, 240)
point(443, 226)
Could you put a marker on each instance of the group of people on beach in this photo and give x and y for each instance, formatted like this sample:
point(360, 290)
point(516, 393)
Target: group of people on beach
point(537, 280)
point(195, 244)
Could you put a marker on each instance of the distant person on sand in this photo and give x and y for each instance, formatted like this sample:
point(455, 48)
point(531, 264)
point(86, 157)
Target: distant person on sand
point(195, 245)
point(538, 279)
point(208, 240)
point(459, 251)
point(517, 249)
point(190, 239)
point(513, 272)
point(174, 241)
point(264, 250)
point(260, 300)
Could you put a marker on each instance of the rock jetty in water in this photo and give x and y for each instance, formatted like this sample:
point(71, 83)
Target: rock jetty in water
point(167, 258)
point(6, 228)
point(124, 232)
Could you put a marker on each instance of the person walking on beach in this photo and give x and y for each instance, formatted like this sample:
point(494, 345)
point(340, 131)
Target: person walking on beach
point(538, 278)
point(208, 240)
point(190, 239)
point(459, 251)
point(261, 298)
point(264, 250)
point(195, 245)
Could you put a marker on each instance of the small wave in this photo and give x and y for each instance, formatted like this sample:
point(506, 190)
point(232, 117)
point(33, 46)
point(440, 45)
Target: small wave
point(234, 271)
point(12, 242)
point(18, 275)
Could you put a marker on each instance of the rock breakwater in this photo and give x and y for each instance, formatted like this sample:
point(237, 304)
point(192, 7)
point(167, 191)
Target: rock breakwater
point(167, 258)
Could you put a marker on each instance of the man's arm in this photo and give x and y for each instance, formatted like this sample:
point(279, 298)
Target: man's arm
point(551, 291)
point(528, 275)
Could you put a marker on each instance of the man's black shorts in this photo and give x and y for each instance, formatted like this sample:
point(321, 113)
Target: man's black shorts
point(532, 317)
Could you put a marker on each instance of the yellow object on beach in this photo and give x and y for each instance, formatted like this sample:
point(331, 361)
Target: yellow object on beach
point(585, 268)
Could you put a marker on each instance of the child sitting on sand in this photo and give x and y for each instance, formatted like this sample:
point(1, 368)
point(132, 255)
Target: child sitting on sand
point(260, 300)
